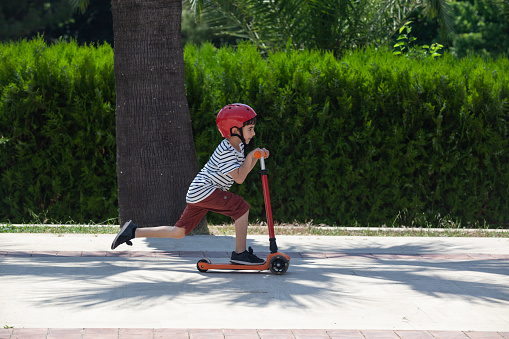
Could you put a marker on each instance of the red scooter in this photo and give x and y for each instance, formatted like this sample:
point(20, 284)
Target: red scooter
point(276, 262)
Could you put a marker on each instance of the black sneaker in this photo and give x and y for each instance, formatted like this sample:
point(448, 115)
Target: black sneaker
point(246, 258)
point(125, 235)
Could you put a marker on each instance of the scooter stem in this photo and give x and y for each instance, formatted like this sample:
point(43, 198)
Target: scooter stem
point(266, 198)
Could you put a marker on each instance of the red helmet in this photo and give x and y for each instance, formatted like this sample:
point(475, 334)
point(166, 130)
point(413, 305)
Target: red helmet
point(234, 115)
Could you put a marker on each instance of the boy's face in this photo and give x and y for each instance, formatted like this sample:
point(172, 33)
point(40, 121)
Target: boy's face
point(248, 132)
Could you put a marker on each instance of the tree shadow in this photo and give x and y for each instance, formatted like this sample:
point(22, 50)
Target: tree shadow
point(309, 282)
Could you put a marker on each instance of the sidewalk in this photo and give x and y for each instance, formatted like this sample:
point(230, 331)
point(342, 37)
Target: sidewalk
point(348, 287)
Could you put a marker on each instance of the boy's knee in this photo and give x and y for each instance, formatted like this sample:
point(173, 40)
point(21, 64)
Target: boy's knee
point(244, 216)
point(180, 233)
point(242, 220)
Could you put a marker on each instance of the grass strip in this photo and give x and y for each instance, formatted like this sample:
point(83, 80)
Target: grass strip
point(260, 229)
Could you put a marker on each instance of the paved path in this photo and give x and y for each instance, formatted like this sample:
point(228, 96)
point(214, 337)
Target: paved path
point(72, 286)
point(164, 333)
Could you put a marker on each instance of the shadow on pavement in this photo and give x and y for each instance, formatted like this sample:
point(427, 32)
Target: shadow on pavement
point(93, 281)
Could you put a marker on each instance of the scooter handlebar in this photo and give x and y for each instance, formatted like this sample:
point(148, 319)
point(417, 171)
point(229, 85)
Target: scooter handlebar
point(258, 154)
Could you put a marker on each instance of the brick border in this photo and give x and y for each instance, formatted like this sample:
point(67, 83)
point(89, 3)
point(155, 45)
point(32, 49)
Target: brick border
point(220, 254)
point(175, 333)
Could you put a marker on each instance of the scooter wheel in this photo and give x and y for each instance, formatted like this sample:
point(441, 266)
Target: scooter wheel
point(200, 267)
point(278, 264)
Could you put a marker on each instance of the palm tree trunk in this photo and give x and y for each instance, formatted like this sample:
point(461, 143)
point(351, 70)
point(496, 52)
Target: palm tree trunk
point(156, 158)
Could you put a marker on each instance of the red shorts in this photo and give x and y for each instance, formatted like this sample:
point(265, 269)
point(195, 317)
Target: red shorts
point(226, 203)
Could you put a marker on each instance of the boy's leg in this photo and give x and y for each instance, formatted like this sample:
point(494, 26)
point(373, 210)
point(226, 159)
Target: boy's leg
point(241, 255)
point(187, 222)
point(160, 232)
point(241, 232)
point(130, 231)
point(234, 206)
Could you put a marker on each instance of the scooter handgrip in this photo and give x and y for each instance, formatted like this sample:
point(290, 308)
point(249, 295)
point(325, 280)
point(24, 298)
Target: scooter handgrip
point(258, 154)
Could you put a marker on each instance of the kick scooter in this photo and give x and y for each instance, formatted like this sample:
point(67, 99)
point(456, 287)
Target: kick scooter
point(276, 262)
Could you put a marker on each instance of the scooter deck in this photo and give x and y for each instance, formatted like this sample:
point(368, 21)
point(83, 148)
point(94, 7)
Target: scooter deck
point(204, 264)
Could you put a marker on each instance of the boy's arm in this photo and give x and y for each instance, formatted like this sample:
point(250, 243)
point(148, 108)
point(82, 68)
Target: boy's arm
point(240, 174)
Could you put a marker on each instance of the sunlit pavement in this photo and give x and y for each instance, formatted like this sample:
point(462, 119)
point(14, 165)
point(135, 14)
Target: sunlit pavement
point(73, 286)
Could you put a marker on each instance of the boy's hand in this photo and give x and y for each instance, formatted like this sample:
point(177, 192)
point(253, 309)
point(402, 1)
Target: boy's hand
point(264, 151)
point(240, 174)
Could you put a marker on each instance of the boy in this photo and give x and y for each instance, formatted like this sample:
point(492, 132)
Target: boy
point(209, 189)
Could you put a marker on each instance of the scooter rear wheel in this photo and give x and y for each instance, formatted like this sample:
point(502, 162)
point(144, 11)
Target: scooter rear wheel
point(278, 264)
point(198, 266)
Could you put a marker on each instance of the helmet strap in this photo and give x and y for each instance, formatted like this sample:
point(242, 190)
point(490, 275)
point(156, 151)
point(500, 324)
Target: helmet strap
point(241, 137)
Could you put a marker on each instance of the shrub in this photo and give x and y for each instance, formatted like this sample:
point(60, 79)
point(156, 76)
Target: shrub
point(369, 139)
point(57, 129)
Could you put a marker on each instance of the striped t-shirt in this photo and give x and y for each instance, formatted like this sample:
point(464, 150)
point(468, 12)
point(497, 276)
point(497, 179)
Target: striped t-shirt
point(215, 172)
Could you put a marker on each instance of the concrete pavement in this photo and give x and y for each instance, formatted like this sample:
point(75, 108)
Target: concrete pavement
point(350, 285)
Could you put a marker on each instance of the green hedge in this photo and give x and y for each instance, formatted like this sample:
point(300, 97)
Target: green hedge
point(57, 130)
point(369, 139)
